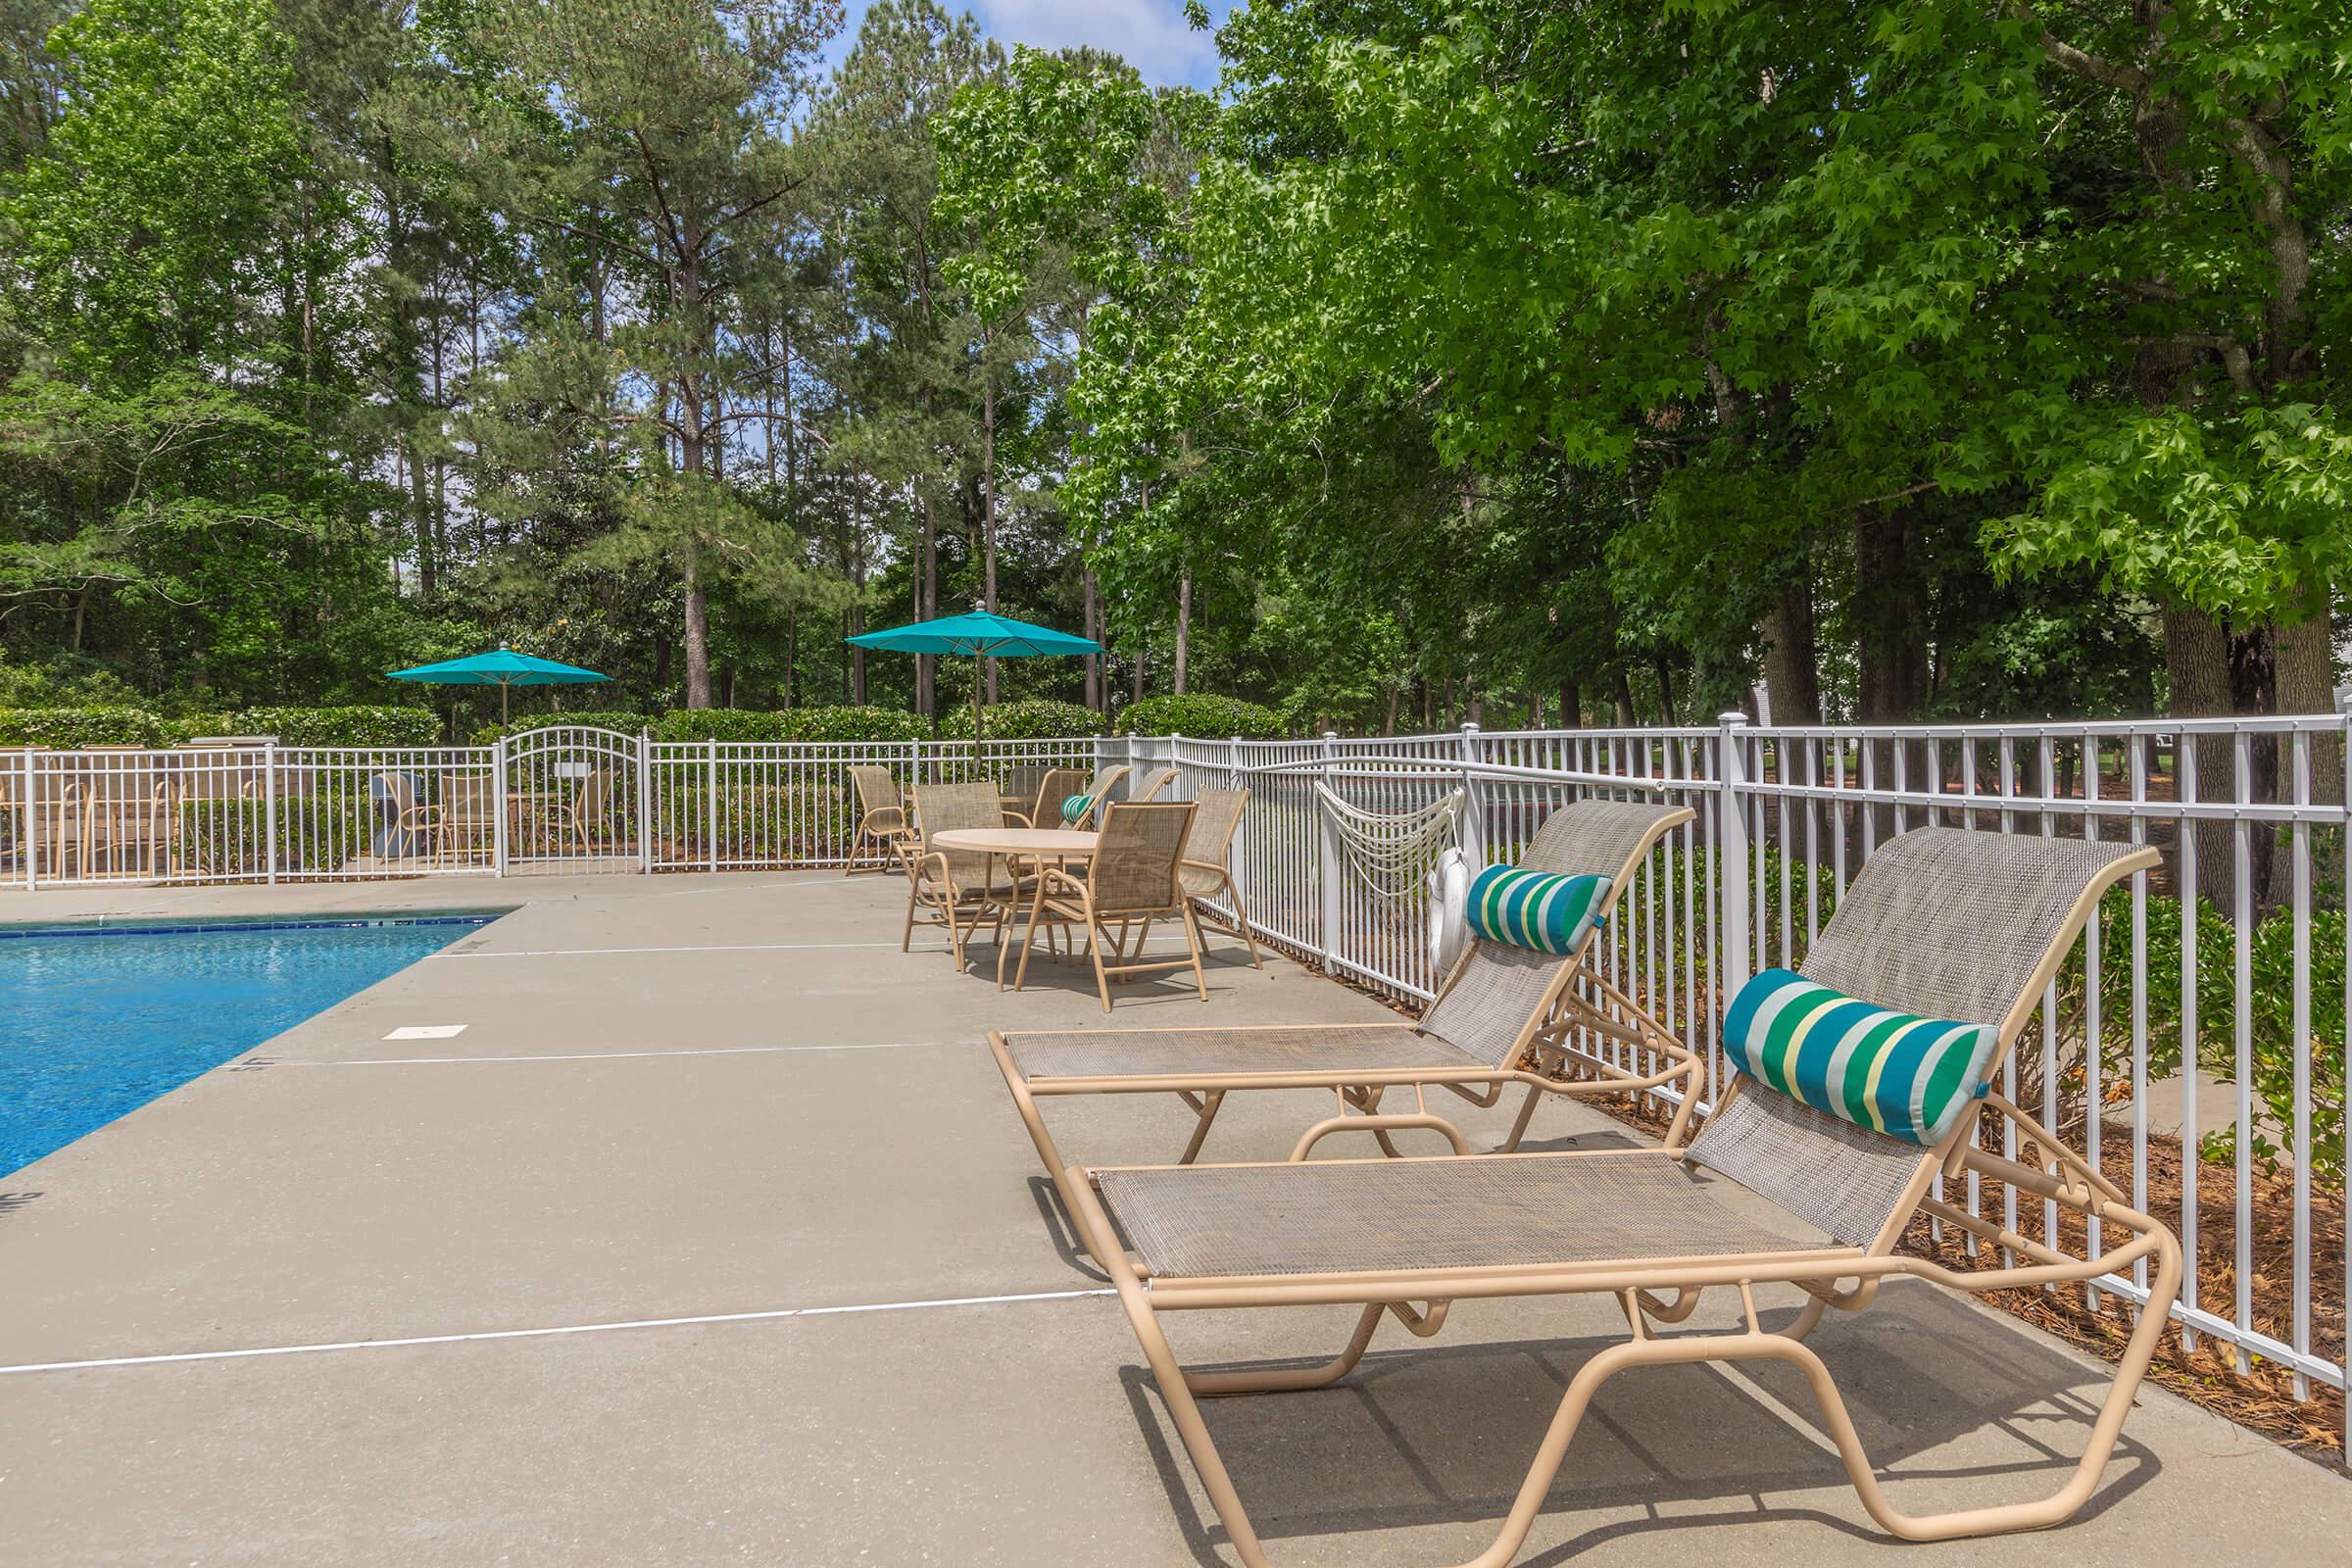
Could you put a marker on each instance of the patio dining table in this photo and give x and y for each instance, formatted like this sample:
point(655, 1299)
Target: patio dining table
point(1014, 844)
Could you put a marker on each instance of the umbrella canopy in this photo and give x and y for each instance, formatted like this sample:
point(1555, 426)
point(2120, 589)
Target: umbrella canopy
point(978, 635)
point(502, 670)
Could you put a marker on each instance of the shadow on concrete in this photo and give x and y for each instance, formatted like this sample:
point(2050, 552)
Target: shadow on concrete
point(1445, 1436)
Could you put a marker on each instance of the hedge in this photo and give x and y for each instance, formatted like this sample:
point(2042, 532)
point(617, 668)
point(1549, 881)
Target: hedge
point(340, 727)
point(612, 718)
point(1034, 719)
point(1203, 717)
point(873, 724)
point(64, 728)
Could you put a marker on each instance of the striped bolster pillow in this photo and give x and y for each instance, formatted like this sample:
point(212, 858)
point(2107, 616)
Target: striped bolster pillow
point(1074, 806)
point(1887, 1071)
point(1534, 909)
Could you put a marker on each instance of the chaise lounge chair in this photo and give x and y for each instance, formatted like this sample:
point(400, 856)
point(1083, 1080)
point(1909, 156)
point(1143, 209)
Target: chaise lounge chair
point(1942, 924)
point(1498, 1002)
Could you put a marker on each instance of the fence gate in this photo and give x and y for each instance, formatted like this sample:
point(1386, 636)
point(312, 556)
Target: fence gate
point(573, 801)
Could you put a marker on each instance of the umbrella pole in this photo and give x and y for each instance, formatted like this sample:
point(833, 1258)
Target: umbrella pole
point(503, 687)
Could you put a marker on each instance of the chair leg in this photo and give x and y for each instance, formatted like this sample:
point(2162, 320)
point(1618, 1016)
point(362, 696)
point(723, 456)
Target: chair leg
point(1093, 947)
point(1204, 1112)
point(1191, 934)
point(906, 938)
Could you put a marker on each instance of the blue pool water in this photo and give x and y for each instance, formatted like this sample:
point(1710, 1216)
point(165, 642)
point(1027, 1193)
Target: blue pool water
point(95, 1023)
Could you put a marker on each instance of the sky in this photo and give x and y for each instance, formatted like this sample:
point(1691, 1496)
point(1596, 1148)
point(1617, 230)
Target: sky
point(1150, 34)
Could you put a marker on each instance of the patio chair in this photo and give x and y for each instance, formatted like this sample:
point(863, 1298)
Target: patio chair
point(1053, 786)
point(1942, 924)
point(1154, 782)
point(1498, 1005)
point(1131, 879)
point(1088, 800)
point(464, 819)
point(881, 820)
point(585, 814)
point(959, 888)
point(1209, 857)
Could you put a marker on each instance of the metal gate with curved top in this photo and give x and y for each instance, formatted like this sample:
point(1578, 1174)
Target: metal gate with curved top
point(573, 801)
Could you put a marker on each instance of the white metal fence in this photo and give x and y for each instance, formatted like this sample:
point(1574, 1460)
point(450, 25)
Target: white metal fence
point(2212, 990)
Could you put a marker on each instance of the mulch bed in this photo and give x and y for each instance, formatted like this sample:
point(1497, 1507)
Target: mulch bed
point(2261, 1397)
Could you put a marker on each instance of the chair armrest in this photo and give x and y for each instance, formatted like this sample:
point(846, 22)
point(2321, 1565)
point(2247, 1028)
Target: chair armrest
point(1013, 816)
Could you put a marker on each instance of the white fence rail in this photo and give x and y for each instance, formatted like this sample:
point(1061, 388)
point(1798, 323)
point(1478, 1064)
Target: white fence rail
point(2209, 998)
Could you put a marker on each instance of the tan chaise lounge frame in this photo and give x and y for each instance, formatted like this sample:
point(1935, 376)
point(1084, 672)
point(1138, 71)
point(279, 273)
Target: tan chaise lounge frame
point(1567, 996)
point(1760, 1140)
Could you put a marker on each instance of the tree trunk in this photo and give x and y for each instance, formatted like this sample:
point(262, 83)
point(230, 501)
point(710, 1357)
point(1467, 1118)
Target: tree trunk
point(1572, 705)
point(698, 638)
point(1623, 687)
point(988, 513)
point(2307, 685)
point(1666, 707)
point(1890, 611)
point(1184, 629)
point(926, 608)
point(1098, 697)
point(2196, 660)
point(1792, 658)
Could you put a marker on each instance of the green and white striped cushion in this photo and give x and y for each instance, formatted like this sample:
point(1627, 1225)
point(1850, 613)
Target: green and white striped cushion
point(1534, 909)
point(1893, 1073)
point(1074, 806)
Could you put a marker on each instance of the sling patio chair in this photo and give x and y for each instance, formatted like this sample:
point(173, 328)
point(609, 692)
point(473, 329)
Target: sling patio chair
point(881, 820)
point(1499, 1003)
point(961, 889)
point(1131, 879)
point(1055, 786)
point(1841, 1117)
point(1087, 803)
point(1209, 857)
point(1154, 782)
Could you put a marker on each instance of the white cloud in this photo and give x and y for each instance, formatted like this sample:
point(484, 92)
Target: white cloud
point(1152, 34)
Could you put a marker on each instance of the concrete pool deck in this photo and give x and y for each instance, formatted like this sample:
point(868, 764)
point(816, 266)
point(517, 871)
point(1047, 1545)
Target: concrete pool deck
point(714, 1238)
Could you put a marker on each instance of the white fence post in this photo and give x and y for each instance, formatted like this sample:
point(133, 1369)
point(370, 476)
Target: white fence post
point(644, 802)
point(497, 807)
point(28, 826)
point(1237, 849)
point(1473, 826)
point(1730, 853)
point(268, 811)
point(1327, 860)
point(713, 770)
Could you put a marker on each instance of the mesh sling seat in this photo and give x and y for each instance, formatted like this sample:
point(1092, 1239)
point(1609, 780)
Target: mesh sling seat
point(1943, 923)
point(959, 889)
point(1132, 878)
point(882, 828)
point(1498, 1006)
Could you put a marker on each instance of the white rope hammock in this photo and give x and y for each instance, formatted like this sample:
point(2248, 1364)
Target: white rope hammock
point(1392, 854)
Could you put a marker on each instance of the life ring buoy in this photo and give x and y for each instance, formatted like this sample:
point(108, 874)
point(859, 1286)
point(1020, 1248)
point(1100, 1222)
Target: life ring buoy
point(1449, 887)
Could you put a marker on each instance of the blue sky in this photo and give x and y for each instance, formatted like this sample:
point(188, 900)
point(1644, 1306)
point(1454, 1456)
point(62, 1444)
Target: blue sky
point(1150, 33)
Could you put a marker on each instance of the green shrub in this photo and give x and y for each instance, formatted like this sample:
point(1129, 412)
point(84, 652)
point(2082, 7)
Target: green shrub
point(316, 833)
point(857, 724)
point(612, 718)
point(1035, 720)
point(189, 726)
point(1203, 717)
point(726, 725)
point(339, 726)
point(739, 725)
point(64, 728)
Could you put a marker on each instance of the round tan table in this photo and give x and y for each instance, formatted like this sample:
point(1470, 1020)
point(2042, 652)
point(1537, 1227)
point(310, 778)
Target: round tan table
point(1019, 843)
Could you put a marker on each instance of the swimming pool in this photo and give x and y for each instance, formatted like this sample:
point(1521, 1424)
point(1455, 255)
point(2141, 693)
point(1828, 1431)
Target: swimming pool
point(96, 1021)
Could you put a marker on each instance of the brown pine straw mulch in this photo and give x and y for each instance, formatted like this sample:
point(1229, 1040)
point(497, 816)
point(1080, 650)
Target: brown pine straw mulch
point(2262, 1397)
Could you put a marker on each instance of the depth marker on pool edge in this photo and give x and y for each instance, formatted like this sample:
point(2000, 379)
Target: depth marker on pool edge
point(428, 1031)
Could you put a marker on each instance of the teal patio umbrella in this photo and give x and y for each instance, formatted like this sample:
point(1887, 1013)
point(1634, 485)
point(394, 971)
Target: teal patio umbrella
point(978, 635)
point(500, 670)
